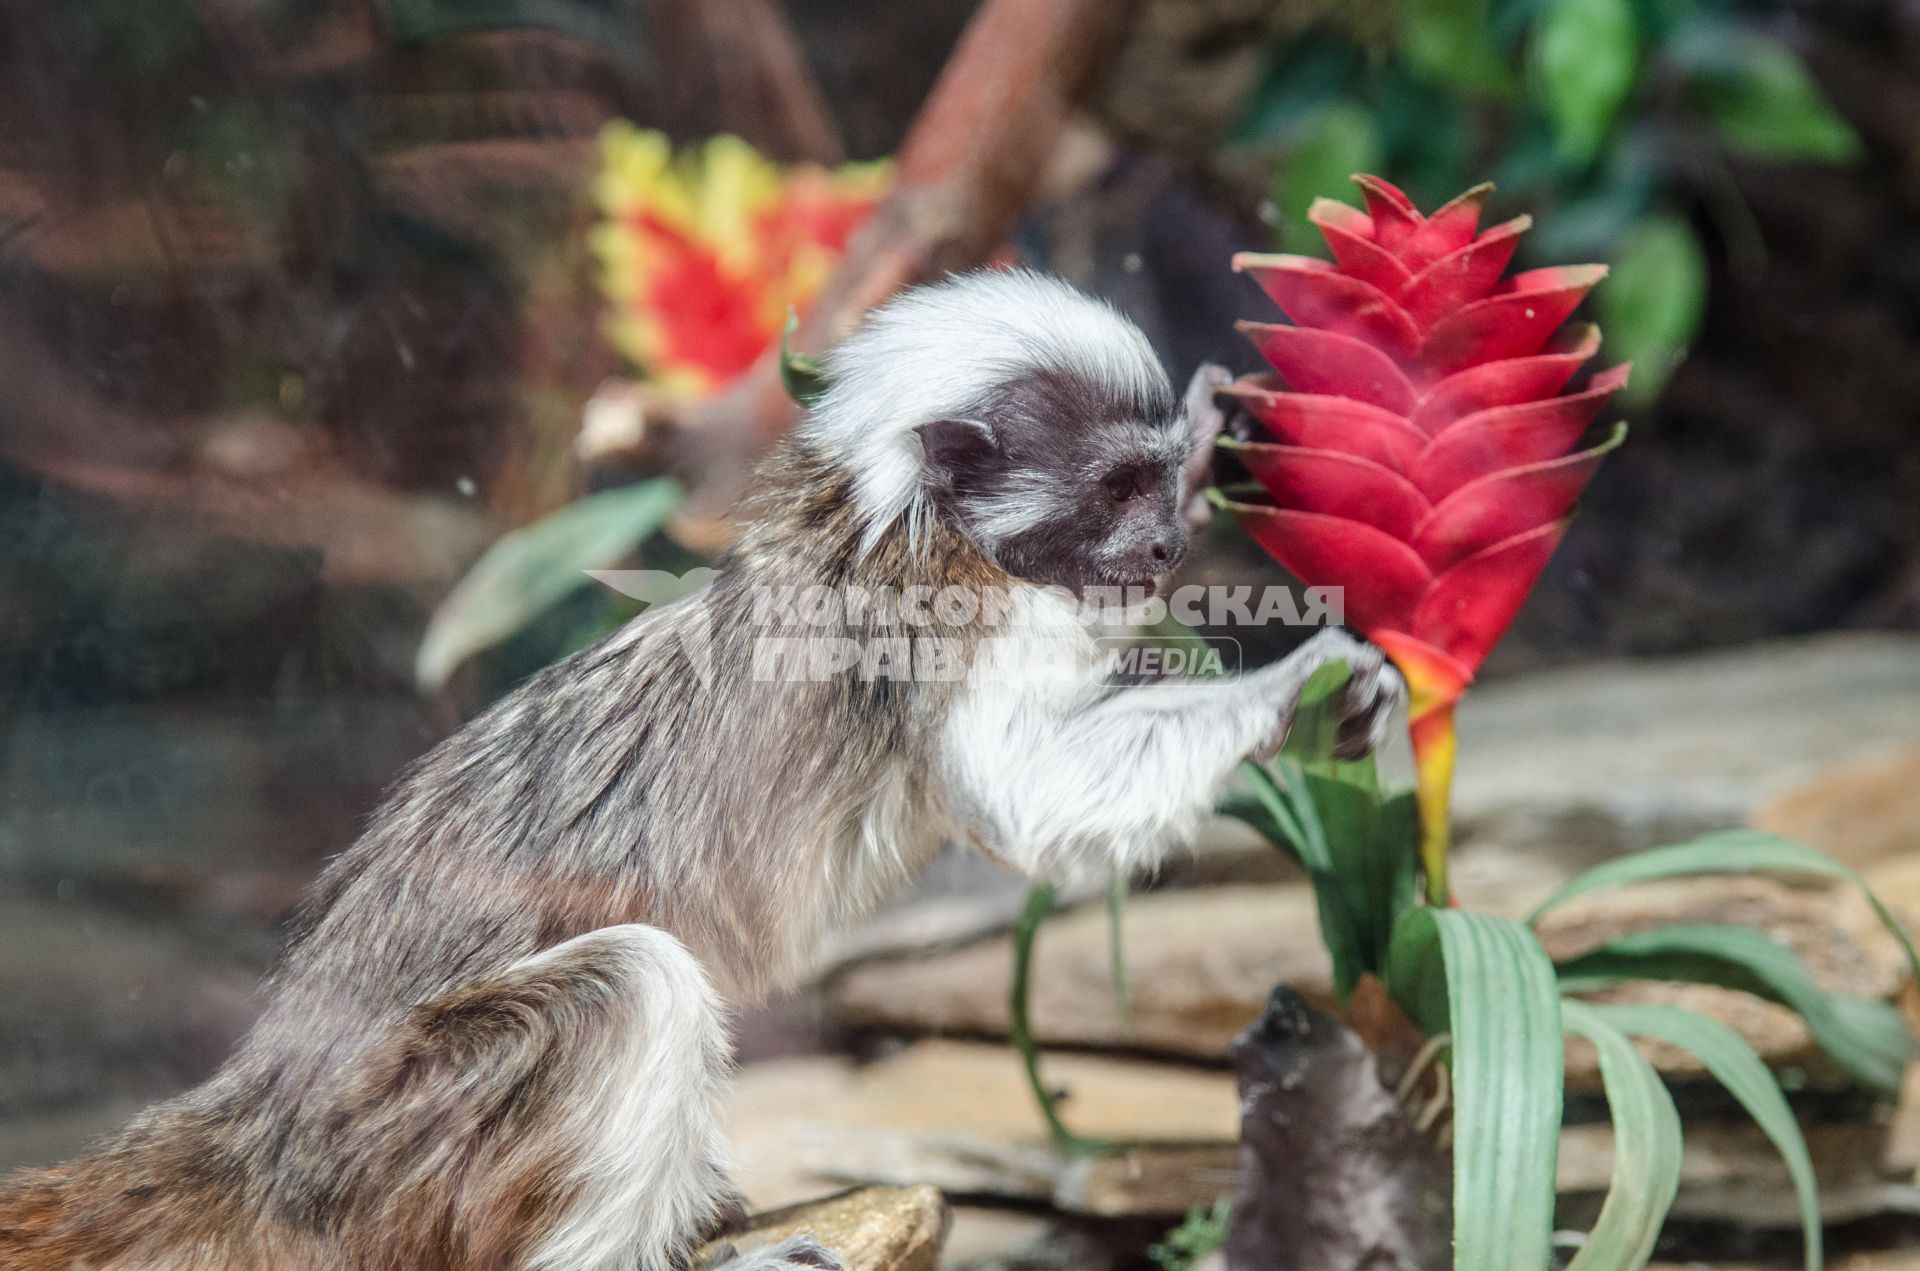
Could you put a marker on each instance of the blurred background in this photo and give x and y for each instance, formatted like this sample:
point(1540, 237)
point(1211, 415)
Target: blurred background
point(305, 304)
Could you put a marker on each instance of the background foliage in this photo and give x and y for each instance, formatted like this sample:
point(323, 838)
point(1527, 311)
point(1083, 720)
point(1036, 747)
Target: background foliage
point(1582, 111)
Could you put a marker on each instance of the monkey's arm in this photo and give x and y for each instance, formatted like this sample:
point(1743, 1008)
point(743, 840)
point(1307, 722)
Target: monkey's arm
point(1061, 787)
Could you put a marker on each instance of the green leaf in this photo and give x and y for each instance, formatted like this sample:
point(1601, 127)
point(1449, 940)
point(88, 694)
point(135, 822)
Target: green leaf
point(1305, 76)
point(1661, 18)
point(1726, 1055)
point(1315, 729)
point(1373, 846)
point(1431, 136)
point(1646, 1149)
point(801, 375)
point(1592, 222)
point(1449, 42)
point(1758, 96)
point(1251, 810)
point(1867, 1039)
point(1739, 851)
point(1339, 141)
point(1288, 802)
point(530, 569)
point(1584, 57)
point(1359, 848)
point(1202, 1233)
point(1652, 301)
point(1284, 795)
point(1487, 982)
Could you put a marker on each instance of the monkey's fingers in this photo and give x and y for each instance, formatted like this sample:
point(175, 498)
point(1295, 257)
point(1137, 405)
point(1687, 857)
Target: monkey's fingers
point(1277, 738)
point(1368, 704)
point(1205, 419)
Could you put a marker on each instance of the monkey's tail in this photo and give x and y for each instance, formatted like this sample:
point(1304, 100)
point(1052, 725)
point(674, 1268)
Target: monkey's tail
point(126, 1204)
point(29, 1209)
point(40, 1227)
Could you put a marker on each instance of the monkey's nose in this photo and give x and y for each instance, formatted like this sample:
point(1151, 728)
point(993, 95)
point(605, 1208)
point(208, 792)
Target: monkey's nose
point(1161, 554)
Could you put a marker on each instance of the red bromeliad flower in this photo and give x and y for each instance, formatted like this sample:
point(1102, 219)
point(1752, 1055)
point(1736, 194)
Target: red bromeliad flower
point(1426, 447)
point(704, 250)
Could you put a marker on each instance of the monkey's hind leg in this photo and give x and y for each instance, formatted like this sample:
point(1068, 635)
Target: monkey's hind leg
point(562, 1115)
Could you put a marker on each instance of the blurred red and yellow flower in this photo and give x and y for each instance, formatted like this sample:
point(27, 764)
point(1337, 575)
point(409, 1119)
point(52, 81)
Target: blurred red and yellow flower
point(703, 251)
point(1427, 448)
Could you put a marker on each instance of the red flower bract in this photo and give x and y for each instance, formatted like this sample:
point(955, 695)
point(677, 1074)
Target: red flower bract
point(1427, 448)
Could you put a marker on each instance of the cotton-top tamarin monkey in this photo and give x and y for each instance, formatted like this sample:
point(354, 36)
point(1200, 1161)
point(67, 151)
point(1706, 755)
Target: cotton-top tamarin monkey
point(497, 1038)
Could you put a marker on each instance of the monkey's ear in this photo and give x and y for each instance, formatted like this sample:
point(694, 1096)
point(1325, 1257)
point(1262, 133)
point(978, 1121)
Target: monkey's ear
point(956, 447)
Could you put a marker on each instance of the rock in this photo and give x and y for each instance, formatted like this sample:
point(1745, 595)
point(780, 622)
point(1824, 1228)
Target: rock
point(960, 1117)
point(983, 1237)
point(1158, 1180)
point(1201, 963)
point(1861, 812)
point(1832, 929)
point(871, 1228)
point(1063, 1243)
point(961, 897)
point(1597, 759)
point(1901, 1155)
point(1896, 881)
point(1731, 1175)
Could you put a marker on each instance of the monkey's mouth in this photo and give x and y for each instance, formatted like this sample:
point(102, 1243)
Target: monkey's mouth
point(1130, 589)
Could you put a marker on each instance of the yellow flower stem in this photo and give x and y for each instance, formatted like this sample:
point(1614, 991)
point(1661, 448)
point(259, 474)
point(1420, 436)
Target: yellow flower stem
point(1435, 683)
point(1433, 753)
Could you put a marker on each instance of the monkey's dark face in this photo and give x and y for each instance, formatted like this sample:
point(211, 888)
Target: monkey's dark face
point(1063, 484)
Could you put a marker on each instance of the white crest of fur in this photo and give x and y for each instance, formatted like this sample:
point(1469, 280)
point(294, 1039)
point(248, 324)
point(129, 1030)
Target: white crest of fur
point(935, 351)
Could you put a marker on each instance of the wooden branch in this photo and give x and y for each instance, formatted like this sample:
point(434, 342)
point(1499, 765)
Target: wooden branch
point(736, 66)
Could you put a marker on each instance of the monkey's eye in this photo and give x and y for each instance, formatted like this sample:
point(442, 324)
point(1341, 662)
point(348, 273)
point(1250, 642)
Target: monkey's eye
point(1124, 484)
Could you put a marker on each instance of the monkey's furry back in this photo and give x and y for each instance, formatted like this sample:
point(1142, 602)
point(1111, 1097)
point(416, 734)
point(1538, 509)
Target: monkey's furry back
point(630, 783)
point(467, 976)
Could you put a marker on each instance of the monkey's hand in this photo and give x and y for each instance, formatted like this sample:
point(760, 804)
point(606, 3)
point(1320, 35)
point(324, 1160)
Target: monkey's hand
point(1364, 707)
point(1205, 419)
point(796, 1253)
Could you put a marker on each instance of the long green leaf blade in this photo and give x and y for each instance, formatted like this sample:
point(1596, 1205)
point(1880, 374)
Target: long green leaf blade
point(1251, 810)
point(1646, 1149)
point(1295, 796)
point(1275, 816)
point(1733, 1064)
point(1867, 1039)
point(1725, 852)
point(1020, 1024)
point(535, 567)
point(1487, 982)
